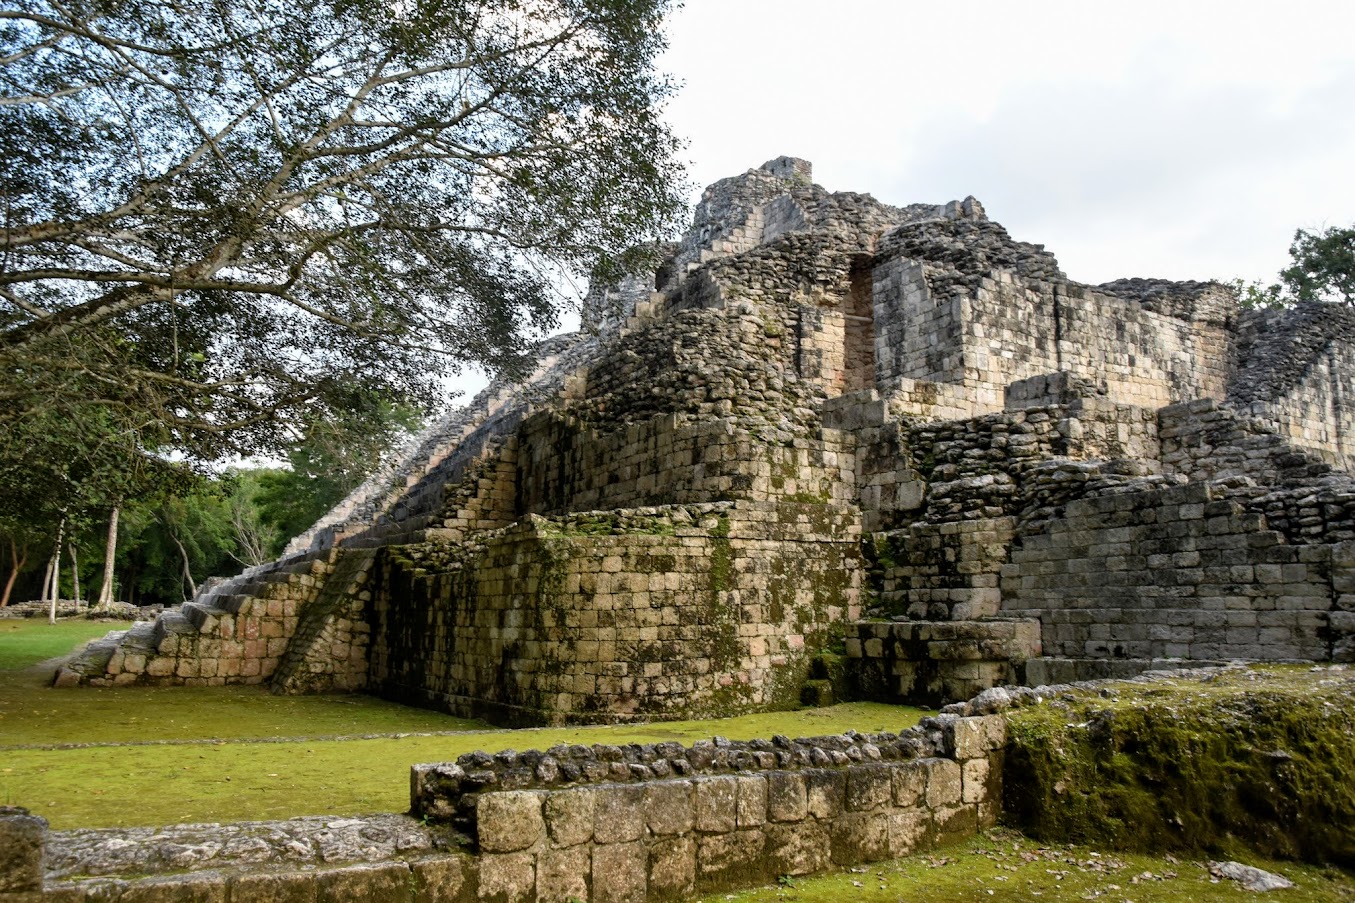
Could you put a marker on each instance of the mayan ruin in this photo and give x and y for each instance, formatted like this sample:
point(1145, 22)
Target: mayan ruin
point(828, 446)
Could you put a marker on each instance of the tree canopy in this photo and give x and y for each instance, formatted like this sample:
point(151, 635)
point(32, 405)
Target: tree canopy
point(221, 213)
point(1321, 268)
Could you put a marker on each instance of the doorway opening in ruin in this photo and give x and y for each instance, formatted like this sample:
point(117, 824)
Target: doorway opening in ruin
point(858, 370)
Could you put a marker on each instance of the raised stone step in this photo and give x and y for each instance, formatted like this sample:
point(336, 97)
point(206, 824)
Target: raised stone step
point(201, 615)
point(140, 638)
point(172, 623)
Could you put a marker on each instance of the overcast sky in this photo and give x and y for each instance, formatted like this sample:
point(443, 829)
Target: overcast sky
point(1185, 140)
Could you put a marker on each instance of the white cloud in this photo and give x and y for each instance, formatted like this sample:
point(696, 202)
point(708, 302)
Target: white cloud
point(1185, 140)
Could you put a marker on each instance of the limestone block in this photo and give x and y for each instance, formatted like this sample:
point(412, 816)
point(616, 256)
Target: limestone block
point(908, 831)
point(446, 879)
point(797, 849)
point(619, 873)
point(670, 806)
point(869, 787)
point(787, 797)
point(716, 804)
point(672, 868)
point(199, 887)
point(974, 777)
point(944, 783)
point(283, 887)
point(731, 859)
point(975, 737)
point(376, 881)
point(563, 874)
point(752, 801)
point(826, 792)
point(509, 821)
point(617, 813)
point(23, 839)
point(506, 877)
point(860, 837)
point(955, 823)
point(910, 783)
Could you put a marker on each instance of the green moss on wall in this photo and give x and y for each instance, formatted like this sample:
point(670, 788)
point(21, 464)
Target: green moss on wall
point(1265, 761)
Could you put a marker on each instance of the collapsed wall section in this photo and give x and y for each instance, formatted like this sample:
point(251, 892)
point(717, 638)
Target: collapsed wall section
point(654, 613)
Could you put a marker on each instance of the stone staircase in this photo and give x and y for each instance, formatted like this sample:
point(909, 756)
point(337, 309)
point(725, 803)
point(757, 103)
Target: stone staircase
point(233, 632)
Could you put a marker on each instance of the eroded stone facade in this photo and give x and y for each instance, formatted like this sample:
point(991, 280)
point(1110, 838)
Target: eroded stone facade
point(821, 409)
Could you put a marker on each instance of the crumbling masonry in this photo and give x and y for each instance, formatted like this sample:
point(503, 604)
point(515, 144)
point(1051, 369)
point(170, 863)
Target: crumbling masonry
point(826, 424)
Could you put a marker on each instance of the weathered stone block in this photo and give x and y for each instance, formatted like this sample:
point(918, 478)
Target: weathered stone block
point(201, 887)
point(283, 887)
point(944, 783)
point(507, 877)
point(787, 796)
point(975, 737)
point(670, 806)
point(716, 804)
point(509, 821)
point(797, 849)
point(618, 816)
point(375, 881)
point(563, 874)
point(910, 783)
point(732, 859)
point(955, 823)
point(23, 839)
point(860, 837)
point(569, 816)
point(619, 873)
point(752, 803)
point(446, 879)
point(908, 831)
point(826, 792)
point(869, 787)
point(974, 776)
point(672, 868)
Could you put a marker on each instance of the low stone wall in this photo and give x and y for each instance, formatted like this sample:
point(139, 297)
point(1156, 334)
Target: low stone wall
point(668, 838)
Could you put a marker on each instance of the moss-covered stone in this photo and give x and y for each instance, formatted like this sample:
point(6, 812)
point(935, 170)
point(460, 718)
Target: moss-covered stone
point(1258, 758)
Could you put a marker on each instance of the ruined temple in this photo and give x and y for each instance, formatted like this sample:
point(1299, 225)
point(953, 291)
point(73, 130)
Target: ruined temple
point(828, 443)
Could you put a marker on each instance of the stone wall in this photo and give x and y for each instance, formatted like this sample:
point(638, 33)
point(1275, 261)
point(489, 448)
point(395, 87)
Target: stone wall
point(1170, 573)
point(655, 613)
point(934, 662)
point(832, 802)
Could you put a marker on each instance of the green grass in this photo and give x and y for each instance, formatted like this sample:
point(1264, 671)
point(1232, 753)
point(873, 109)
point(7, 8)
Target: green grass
point(27, 641)
point(117, 779)
point(1005, 866)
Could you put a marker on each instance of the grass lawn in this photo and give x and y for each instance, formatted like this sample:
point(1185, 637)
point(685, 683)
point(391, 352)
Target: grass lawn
point(235, 753)
point(27, 641)
point(1006, 866)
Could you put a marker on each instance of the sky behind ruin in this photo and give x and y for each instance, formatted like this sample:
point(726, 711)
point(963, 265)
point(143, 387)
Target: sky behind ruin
point(1185, 140)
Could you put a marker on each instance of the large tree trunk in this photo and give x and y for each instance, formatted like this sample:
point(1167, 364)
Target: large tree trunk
point(54, 571)
point(110, 552)
point(18, 561)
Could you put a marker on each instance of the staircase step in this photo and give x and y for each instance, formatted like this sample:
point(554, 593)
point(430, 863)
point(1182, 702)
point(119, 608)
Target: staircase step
point(172, 623)
point(140, 639)
point(200, 614)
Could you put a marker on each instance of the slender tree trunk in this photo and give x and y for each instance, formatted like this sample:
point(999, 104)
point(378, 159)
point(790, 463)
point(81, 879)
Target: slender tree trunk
point(54, 571)
point(187, 574)
point(18, 560)
point(75, 575)
point(110, 552)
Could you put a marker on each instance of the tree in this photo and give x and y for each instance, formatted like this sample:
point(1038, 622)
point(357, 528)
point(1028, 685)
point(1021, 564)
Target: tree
point(219, 212)
point(1322, 268)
